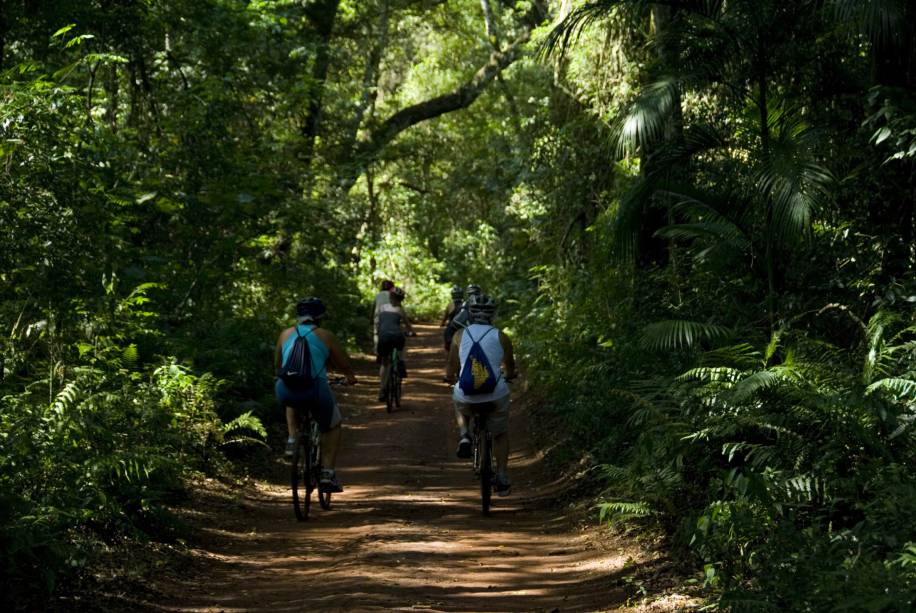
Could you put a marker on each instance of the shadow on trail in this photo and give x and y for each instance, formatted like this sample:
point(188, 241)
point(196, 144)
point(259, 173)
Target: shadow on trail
point(407, 532)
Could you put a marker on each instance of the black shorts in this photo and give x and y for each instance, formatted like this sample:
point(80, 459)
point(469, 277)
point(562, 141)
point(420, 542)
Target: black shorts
point(387, 343)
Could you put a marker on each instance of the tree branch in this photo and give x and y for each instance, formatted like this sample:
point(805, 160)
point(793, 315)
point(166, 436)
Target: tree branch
point(458, 99)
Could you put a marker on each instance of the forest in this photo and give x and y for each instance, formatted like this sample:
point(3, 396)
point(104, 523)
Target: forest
point(697, 217)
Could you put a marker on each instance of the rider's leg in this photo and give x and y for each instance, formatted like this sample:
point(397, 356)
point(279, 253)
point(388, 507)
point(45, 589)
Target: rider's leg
point(501, 450)
point(499, 426)
point(292, 422)
point(462, 420)
point(383, 375)
point(330, 445)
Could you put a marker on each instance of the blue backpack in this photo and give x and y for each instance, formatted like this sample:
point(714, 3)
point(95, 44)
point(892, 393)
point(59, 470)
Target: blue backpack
point(296, 371)
point(477, 375)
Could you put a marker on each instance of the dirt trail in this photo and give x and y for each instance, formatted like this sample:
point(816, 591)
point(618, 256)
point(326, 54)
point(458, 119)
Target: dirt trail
point(407, 533)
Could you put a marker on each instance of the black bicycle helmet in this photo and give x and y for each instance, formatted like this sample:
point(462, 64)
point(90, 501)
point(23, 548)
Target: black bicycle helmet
point(473, 290)
point(481, 308)
point(457, 292)
point(310, 309)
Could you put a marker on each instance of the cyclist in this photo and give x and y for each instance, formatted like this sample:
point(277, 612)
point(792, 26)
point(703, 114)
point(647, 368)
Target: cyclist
point(498, 350)
point(390, 324)
point(452, 309)
point(460, 320)
point(325, 350)
point(382, 297)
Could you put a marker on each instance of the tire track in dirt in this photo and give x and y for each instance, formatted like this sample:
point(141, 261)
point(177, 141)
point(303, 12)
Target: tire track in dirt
point(407, 533)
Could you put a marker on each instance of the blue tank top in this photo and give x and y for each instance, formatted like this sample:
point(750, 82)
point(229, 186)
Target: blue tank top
point(317, 348)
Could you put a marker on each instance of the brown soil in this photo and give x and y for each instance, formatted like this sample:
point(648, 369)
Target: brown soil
point(407, 533)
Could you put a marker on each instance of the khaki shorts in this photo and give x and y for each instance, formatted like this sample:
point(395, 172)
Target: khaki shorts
point(497, 418)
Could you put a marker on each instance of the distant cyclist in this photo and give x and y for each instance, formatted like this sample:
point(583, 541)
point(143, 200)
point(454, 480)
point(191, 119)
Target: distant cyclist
point(382, 297)
point(497, 347)
point(325, 351)
point(450, 311)
point(461, 318)
point(391, 326)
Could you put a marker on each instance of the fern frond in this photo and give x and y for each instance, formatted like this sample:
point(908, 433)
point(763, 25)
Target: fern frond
point(901, 388)
point(66, 399)
point(711, 374)
point(245, 422)
point(619, 510)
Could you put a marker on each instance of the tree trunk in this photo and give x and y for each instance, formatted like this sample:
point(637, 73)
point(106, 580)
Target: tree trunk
point(323, 15)
point(370, 81)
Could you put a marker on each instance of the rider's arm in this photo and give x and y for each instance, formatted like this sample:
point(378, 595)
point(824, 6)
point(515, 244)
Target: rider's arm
point(406, 320)
point(508, 356)
point(278, 352)
point(448, 311)
point(337, 356)
point(451, 371)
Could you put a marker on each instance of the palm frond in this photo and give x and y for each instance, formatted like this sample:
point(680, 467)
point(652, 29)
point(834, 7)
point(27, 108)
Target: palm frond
point(883, 21)
point(628, 221)
point(740, 356)
point(676, 334)
point(648, 117)
point(578, 20)
point(757, 382)
point(723, 233)
point(791, 179)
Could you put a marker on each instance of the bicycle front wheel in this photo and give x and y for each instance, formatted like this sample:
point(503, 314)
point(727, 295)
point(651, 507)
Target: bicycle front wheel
point(486, 471)
point(301, 478)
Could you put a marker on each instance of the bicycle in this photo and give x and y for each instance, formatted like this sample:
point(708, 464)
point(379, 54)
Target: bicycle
point(482, 453)
point(393, 386)
point(306, 466)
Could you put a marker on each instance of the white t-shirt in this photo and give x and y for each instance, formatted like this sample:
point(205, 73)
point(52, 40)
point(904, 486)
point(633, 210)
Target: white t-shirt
point(493, 349)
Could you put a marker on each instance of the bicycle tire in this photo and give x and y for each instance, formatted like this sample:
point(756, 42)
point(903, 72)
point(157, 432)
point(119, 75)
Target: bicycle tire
point(300, 478)
point(397, 390)
point(486, 472)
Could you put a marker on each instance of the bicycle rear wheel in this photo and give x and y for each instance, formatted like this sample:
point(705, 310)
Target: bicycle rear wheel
point(397, 390)
point(301, 478)
point(392, 381)
point(486, 471)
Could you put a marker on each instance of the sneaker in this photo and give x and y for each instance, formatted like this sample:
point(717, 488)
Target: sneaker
point(290, 447)
point(464, 447)
point(502, 486)
point(329, 482)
